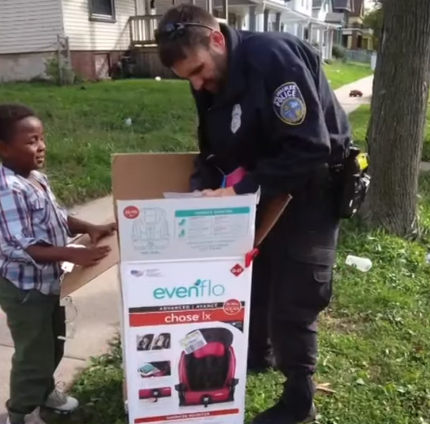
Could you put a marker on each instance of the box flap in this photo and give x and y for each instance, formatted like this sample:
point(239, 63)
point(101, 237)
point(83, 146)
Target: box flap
point(80, 276)
point(269, 216)
point(134, 176)
point(148, 176)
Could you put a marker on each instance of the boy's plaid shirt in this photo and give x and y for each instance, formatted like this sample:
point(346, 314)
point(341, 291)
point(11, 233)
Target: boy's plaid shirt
point(29, 216)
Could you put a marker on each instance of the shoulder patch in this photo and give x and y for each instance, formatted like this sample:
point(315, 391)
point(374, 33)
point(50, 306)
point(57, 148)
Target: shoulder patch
point(289, 104)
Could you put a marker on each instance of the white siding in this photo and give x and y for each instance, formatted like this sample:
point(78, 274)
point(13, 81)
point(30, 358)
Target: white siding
point(245, 21)
point(259, 22)
point(321, 13)
point(97, 36)
point(140, 7)
point(162, 6)
point(302, 6)
point(283, 3)
point(29, 25)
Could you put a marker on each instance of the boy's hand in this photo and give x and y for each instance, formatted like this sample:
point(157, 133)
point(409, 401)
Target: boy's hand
point(97, 232)
point(87, 256)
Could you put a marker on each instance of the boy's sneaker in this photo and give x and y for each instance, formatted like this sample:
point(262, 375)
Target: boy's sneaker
point(60, 403)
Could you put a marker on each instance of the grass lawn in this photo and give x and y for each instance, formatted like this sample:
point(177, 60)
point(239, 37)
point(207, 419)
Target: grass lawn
point(375, 338)
point(85, 126)
point(360, 118)
point(339, 73)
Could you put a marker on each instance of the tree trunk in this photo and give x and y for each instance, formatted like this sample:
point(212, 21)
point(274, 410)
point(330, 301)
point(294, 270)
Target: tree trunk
point(399, 106)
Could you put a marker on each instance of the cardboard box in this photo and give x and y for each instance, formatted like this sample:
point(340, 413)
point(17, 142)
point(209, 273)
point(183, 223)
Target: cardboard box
point(148, 176)
point(138, 178)
point(186, 303)
point(134, 176)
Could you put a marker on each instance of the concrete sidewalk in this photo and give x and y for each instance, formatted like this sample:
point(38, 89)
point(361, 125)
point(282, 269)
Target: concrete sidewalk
point(98, 303)
point(350, 104)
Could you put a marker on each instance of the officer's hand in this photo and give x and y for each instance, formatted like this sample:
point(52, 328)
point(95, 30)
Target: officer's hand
point(221, 192)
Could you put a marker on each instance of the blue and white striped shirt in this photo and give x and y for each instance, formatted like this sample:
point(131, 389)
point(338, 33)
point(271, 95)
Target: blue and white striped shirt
point(29, 216)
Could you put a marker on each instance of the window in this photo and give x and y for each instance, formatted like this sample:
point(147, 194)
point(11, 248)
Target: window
point(306, 34)
point(233, 20)
point(102, 10)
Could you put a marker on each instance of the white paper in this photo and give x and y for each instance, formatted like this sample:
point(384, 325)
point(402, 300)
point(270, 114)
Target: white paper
point(197, 194)
point(171, 195)
point(193, 228)
point(193, 341)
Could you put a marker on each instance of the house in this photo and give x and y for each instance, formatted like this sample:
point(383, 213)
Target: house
point(299, 17)
point(354, 35)
point(323, 35)
point(91, 36)
point(343, 7)
point(331, 16)
point(359, 37)
point(33, 31)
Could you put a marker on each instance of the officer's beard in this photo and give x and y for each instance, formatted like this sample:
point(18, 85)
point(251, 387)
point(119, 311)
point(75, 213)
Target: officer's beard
point(217, 82)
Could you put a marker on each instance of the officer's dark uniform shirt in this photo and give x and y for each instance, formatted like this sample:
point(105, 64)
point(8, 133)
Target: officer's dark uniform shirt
point(276, 116)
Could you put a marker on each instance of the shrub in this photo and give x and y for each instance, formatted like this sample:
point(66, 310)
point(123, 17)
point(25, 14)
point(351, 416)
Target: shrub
point(58, 74)
point(338, 52)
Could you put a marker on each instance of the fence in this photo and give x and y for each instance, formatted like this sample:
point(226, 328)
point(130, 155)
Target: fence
point(142, 29)
point(362, 56)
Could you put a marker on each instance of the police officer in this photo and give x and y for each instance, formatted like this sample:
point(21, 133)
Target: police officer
point(268, 116)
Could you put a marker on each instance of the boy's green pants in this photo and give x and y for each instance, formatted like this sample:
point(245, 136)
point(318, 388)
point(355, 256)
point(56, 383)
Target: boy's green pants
point(35, 322)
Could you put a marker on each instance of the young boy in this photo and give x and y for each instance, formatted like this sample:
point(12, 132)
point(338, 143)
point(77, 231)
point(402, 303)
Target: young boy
point(34, 231)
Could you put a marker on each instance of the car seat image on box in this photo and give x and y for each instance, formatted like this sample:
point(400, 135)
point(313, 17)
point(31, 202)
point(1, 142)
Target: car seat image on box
point(207, 375)
point(155, 394)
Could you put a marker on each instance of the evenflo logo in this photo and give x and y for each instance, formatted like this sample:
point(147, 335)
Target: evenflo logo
point(200, 289)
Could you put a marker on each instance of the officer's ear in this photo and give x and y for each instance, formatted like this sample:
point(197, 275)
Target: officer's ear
point(217, 39)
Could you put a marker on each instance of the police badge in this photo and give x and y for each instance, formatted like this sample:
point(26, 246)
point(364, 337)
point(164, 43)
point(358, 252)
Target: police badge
point(236, 118)
point(289, 104)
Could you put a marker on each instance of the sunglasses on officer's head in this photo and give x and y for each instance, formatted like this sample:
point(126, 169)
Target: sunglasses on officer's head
point(172, 31)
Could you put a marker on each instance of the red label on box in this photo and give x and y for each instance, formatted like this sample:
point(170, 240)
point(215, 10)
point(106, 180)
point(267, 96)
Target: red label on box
point(237, 270)
point(131, 212)
point(232, 307)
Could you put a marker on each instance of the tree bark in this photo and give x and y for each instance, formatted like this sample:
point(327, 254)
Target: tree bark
point(399, 105)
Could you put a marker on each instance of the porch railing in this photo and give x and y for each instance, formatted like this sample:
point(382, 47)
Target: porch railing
point(142, 29)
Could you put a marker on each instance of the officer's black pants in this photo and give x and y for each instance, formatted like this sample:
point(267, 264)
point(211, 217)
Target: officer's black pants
point(292, 284)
